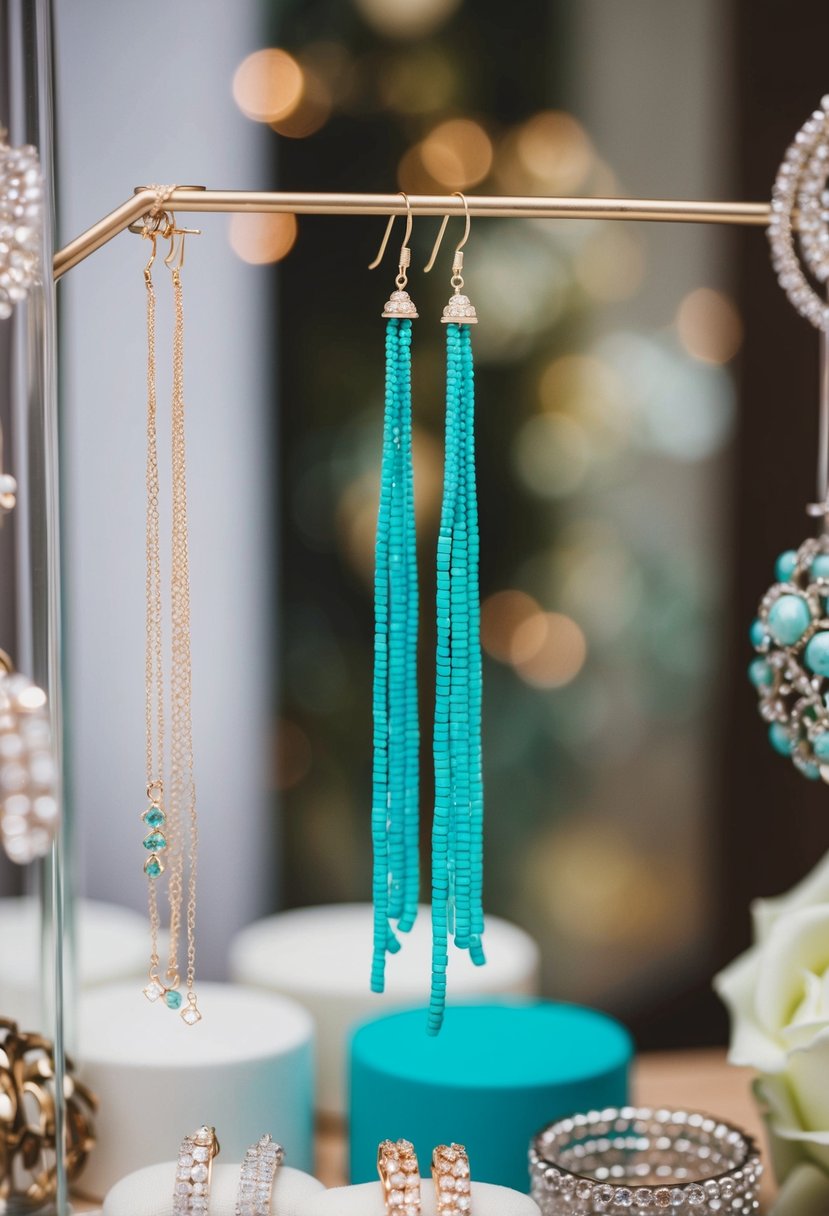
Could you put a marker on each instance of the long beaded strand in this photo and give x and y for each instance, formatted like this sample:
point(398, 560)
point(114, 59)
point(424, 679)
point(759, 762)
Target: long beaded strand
point(457, 832)
point(394, 815)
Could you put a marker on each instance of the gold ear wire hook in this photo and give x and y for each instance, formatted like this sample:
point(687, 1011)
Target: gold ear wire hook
point(153, 238)
point(385, 241)
point(442, 230)
point(176, 260)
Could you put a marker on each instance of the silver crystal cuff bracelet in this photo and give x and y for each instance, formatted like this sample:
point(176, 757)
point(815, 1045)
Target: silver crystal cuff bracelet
point(631, 1161)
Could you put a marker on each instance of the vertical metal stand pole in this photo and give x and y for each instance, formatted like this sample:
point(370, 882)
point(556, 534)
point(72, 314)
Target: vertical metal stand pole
point(26, 59)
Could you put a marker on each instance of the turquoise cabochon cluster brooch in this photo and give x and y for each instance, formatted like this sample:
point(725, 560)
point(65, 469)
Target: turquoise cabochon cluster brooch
point(791, 668)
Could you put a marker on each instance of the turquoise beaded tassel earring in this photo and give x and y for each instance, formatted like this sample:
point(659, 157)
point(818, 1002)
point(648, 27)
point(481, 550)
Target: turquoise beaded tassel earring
point(395, 777)
point(791, 632)
point(457, 830)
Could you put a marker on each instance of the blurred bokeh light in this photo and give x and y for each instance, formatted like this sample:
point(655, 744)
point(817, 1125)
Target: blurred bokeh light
point(406, 18)
point(262, 238)
point(268, 85)
point(709, 325)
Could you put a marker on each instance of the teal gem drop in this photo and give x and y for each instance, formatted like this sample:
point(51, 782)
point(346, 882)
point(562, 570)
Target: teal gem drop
point(789, 618)
point(153, 867)
point(154, 842)
point(760, 673)
point(780, 739)
point(816, 656)
point(757, 633)
point(172, 998)
point(784, 567)
point(820, 566)
point(154, 817)
point(820, 746)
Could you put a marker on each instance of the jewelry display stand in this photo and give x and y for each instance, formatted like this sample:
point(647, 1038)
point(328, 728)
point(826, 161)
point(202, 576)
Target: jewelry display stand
point(248, 1066)
point(120, 1074)
point(367, 1200)
point(149, 1192)
point(138, 1056)
point(111, 944)
point(318, 957)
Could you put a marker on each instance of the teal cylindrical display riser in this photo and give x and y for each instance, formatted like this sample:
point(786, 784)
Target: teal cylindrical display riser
point(493, 1077)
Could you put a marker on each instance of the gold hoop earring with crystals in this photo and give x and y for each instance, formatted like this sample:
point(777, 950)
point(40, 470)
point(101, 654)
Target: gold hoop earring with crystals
point(450, 1172)
point(399, 1177)
point(29, 807)
point(191, 1194)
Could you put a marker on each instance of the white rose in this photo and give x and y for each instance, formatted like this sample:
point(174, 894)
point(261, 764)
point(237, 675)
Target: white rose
point(778, 997)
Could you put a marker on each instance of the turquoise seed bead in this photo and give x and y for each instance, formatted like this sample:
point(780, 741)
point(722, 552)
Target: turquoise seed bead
point(816, 655)
point(757, 633)
point(760, 673)
point(820, 566)
point(785, 565)
point(154, 842)
point(789, 618)
point(820, 746)
point(780, 739)
point(172, 998)
point(811, 772)
point(154, 817)
point(394, 816)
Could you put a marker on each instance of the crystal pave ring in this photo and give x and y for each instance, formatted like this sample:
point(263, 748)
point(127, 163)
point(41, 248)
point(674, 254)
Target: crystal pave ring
point(191, 1195)
point(400, 1177)
point(631, 1161)
point(450, 1171)
point(259, 1167)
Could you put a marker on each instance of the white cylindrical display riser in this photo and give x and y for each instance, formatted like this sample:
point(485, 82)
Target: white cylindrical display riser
point(321, 957)
point(111, 945)
point(246, 1068)
point(368, 1200)
point(149, 1192)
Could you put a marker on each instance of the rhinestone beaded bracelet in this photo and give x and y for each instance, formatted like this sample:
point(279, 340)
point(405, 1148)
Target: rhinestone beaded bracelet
point(631, 1161)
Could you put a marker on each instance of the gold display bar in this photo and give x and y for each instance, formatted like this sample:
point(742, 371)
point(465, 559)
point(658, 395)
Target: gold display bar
point(195, 198)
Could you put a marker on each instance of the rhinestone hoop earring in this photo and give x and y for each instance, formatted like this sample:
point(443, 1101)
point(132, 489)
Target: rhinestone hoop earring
point(790, 635)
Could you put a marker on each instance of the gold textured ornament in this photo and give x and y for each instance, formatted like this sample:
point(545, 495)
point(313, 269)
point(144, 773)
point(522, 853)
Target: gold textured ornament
point(27, 1121)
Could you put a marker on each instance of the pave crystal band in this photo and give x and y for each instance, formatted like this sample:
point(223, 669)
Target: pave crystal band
point(259, 1167)
point(400, 1177)
point(633, 1161)
point(191, 1196)
point(450, 1171)
point(801, 185)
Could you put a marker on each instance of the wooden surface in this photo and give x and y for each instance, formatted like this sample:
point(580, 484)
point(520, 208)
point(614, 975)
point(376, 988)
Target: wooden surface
point(691, 1080)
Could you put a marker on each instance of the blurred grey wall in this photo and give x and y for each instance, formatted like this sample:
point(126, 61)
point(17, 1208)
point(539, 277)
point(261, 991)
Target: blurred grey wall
point(144, 99)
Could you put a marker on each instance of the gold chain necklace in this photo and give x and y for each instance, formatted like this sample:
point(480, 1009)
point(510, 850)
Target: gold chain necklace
point(171, 820)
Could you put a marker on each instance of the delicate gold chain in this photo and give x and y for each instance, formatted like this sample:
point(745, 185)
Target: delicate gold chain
point(175, 807)
point(182, 783)
point(153, 672)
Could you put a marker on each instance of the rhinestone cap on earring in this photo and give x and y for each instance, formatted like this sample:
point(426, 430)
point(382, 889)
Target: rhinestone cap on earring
point(400, 304)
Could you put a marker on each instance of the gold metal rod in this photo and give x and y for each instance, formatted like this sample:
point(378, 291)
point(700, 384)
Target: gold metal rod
point(525, 207)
